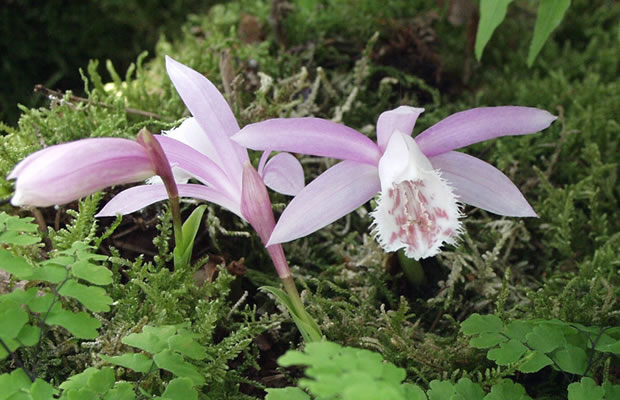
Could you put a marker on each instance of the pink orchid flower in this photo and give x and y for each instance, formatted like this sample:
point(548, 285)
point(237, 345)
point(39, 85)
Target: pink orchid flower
point(420, 181)
point(200, 148)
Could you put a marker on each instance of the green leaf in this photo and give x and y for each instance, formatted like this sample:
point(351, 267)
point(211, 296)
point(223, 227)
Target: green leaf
point(136, 361)
point(183, 252)
point(180, 389)
point(306, 325)
point(41, 390)
point(469, 390)
point(507, 390)
point(477, 323)
point(18, 266)
point(95, 274)
point(15, 230)
point(102, 380)
point(92, 297)
point(177, 365)
point(413, 392)
point(13, 382)
point(29, 335)
point(79, 380)
point(518, 330)
point(151, 339)
point(440, 390)
point(187, 346)
point(121, 391)
point(571, 359)
point(41, 304)
point(80, 394)
point(80, 325)
point(49, 272)
point(13, 318)
point(486, 340)
point(535, 361)
point(550, 14)
point(587, 389)
point(492, 13)
point(611, 391)
point(507, 353)
point(287, 393)
point(545, 338)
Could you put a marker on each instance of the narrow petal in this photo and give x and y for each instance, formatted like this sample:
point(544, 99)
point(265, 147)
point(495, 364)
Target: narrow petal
point(197, 165)
point(400, 119)
point(138, 197)
point(333, 194)
point(482, 185)
point(479, 124)
point(211, 111)
point(66, 172)
point(284, 174)
point(312, 136)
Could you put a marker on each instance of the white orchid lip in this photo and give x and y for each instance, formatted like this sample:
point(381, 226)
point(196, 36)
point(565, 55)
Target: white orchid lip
point(417, 210)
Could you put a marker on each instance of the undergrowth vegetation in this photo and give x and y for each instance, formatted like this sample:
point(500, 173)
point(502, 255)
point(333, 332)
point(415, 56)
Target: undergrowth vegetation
point(92, 308)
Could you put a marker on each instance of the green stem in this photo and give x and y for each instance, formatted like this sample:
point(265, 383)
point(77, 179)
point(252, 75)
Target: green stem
point(314, 332)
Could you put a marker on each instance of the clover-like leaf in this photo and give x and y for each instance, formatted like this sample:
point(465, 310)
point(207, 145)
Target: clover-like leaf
point(486, 340)
point(187, 346)
point(175, 363)
point(136, 361)
point(586, 389)
point(41, 390)
point(121, 391)
point(13, 318)
point(469, 390)
point(92, 297)
point(545, 338)
point(287, 393)
point(95, 274)
point(571, 359)
point(535, 361)
point(507, 353)
point(507, 389)
point(80, 325)
point(180, 389)
point(477, 323)
point(16, 265)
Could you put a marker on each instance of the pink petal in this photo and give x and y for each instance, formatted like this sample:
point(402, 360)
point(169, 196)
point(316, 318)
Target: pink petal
point(66, 172)
point(335, 193)
point(313, 136)
point(482, 185)
point(197, 165)
point(138, 197)
point(479, 124)
point(284, 174)
point(400, 119)
point(214, 115)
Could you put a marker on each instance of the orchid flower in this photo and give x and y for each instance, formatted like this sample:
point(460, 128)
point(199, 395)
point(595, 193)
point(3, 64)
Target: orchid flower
point(201, 149)
point(420, 181)
point(63, 173)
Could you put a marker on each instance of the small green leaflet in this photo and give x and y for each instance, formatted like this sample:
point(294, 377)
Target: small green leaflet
point(136, 361)
point(550, 14)
point(492, 13)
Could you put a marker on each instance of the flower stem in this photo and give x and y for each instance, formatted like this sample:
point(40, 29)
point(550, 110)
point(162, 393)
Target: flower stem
point(412, 268)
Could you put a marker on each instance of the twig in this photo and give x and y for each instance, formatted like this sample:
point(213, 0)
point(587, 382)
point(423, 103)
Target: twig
point(17, 360)
point(129, 110)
